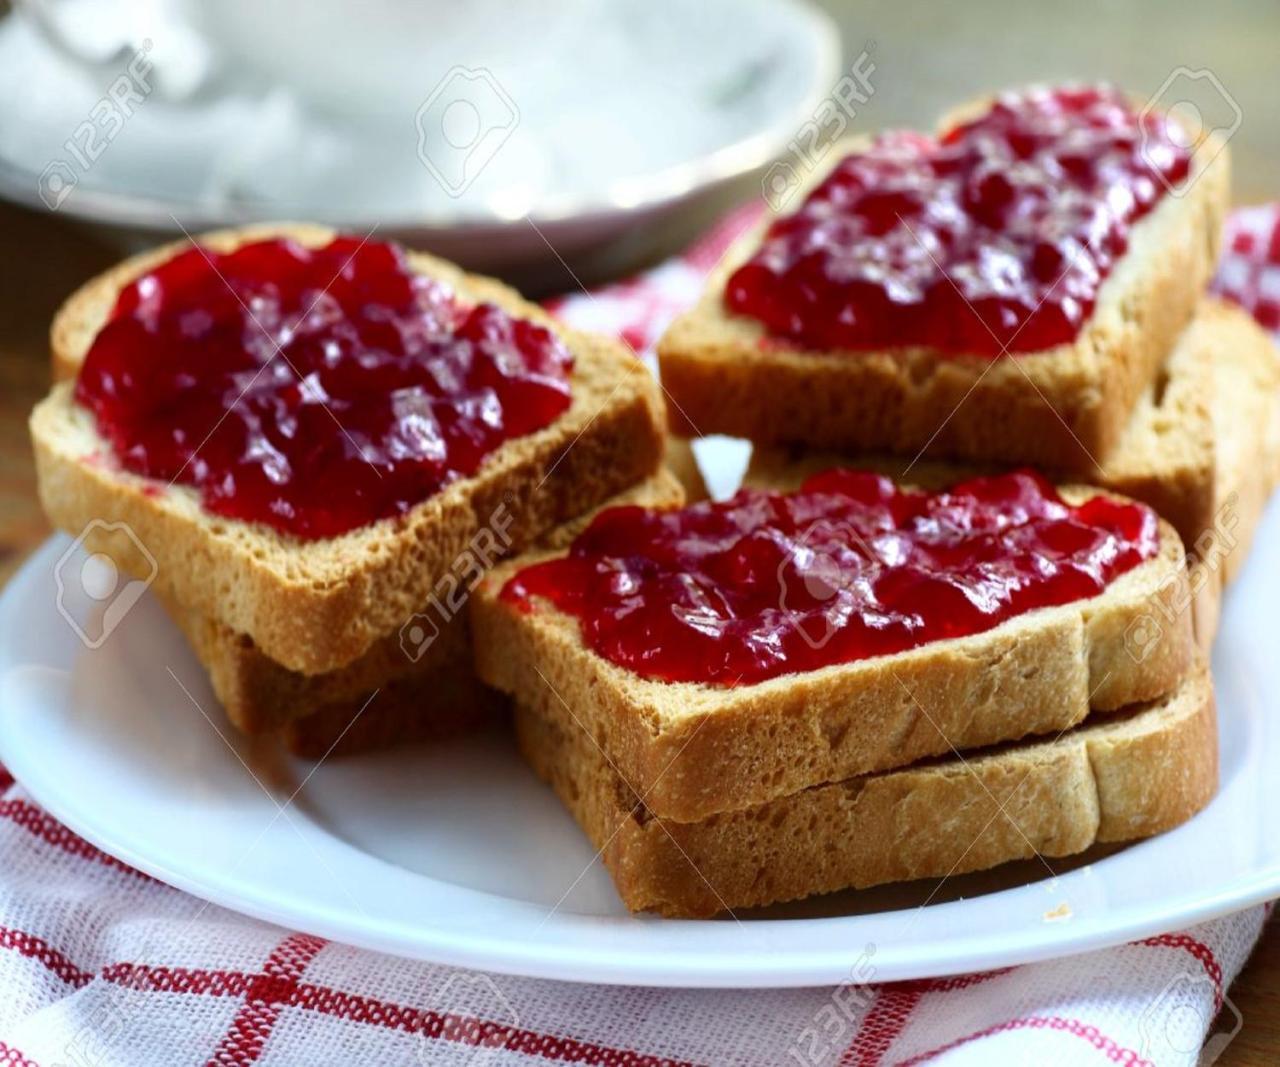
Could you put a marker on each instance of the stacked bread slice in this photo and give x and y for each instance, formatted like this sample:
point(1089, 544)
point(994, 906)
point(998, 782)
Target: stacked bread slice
point(1084, 723)
point(341, 642)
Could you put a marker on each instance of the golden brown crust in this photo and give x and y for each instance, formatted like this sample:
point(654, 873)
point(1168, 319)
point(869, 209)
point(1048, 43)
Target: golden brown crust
point(695, 750)
point(723, 376)
point(1120, 778)
point(315, 606)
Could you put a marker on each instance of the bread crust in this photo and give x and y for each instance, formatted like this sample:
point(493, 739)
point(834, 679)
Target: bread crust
point(315, 606)
point(725, 376)
point(1119, 778)
point(694, 750)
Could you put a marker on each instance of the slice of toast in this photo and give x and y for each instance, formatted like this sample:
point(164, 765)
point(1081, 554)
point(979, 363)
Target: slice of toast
point(695, 750)
point(314, 606)
point(1064, 407)
point(429, 678)
point(1127, 776)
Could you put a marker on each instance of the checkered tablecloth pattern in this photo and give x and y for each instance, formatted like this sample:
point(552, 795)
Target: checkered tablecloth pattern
point(102, 965)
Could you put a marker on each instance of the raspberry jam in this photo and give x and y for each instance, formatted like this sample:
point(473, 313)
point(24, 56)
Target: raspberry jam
point(994, 238)
point(847, 567)
point(315, 390)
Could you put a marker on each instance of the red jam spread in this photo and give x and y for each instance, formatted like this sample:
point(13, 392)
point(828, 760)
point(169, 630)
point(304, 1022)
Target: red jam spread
point(847, 567)
point(995, 237)
point(315, 390)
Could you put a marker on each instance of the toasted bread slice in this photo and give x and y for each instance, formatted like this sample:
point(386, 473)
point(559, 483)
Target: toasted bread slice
point(430, 672)
point(1125, 776)
point(695, 750)
point(1065, 407)
point(314, 606)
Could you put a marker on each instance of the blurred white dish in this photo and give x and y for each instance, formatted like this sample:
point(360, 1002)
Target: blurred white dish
point(635, 111)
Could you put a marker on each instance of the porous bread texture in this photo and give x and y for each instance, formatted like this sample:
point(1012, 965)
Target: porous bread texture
point(1124, 777)
point(693, 750)
point(262, 696)
point(314, 606)
point(1064, 407)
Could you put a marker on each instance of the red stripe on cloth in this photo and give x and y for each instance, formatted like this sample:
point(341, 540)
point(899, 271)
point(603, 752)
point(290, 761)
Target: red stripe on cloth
point(11, 1057)
point(467, 1030)
point(352, 1007)
point(6, 779)
point(35, 948)
point(1200, 951)
point(893, 1006)
point(883, 1025)
point(268, 992)
point(1114, 1052)
point(40, 824)
point(139, 976)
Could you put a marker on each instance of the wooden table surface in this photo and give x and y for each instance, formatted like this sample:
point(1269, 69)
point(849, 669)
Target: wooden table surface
point(42, 258)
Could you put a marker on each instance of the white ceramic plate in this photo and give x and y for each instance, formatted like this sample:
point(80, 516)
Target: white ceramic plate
point(458, 855)
point(682, 99)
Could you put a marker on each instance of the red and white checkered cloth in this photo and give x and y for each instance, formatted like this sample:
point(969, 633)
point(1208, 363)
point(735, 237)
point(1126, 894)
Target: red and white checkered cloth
point(101, 965)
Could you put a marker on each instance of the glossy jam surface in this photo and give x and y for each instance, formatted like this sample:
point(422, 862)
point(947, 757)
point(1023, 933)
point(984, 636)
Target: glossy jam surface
point(998, 234)
point(847, 567)
point(315, 390)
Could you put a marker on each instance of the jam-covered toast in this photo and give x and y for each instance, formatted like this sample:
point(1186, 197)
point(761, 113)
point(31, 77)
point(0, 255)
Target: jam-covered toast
point(971, 295)
point(728, 654)
point(315, 603)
